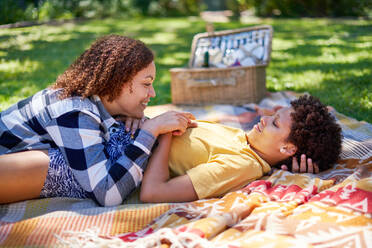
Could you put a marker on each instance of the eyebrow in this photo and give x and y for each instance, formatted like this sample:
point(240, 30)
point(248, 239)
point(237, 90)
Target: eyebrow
point(149, 76)
point(277, 118)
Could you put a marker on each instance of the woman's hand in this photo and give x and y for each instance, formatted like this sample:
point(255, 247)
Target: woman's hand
point(132, 124)
point(306, 165)
point(172, 121)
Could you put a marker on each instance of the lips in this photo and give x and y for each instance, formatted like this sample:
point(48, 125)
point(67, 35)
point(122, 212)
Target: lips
point(145, 103)
point(257, 127)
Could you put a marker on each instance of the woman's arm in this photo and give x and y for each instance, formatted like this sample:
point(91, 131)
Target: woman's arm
point(78, 135)
point(156, 186)
point(81, 141)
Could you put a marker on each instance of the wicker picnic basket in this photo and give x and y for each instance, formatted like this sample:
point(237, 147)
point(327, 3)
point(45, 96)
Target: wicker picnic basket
point(230, 85)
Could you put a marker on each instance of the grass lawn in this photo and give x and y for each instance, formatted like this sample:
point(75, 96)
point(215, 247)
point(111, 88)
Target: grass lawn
point(329, 58)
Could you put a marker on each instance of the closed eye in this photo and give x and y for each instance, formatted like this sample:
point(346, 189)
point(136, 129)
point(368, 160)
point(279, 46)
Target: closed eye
point(275, 120)
point(274, 123)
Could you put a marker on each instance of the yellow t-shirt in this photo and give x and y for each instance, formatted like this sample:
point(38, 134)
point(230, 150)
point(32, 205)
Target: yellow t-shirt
point(217, 159)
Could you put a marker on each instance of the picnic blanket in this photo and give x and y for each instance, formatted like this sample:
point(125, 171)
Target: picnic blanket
point(329, 209)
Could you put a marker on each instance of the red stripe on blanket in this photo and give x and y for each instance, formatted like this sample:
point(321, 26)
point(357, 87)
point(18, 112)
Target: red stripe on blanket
point(282, 192)
point(349, 197)
point(133, 236)
point(188, 229)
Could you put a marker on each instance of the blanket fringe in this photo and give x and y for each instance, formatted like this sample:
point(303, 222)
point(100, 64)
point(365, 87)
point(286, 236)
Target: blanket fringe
point(165, 236)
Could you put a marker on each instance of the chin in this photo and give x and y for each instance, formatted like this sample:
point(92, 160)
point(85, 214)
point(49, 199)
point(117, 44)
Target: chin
point(138, 116)
point(141, 114)
point(135, 114)
point(251, 135)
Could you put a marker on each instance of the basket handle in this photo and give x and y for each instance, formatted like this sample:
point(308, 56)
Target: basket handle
point(210, 82)
point(207, 82)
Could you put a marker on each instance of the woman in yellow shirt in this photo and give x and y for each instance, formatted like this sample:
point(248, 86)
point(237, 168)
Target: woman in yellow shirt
point(213, 159)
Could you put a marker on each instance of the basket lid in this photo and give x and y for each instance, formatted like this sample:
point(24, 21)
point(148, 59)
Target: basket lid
point(244, 46)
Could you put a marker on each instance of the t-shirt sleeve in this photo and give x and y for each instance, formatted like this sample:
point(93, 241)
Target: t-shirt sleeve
point(223, 174)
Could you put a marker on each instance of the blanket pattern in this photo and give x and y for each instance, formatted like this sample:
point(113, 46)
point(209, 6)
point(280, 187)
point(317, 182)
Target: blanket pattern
point(329, 209)
point(284, 210)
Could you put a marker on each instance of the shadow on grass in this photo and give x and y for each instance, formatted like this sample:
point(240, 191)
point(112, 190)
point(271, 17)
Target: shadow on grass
point(49, 55)
point(47, 58)
point(338, 68)
point(39, 66)
point(345, 86)
point(341, 95)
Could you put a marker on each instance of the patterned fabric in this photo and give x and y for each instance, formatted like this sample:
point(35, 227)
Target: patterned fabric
point(119, 140)
point(60, 181)
point(80, 129)
point(283, 210)
point(330, 209)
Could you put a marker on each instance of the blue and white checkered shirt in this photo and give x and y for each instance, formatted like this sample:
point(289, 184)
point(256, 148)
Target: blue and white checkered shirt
point(80, 128)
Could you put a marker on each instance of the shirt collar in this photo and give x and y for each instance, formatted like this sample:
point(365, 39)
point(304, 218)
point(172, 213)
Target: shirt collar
point(265, 166)
point(105, 115)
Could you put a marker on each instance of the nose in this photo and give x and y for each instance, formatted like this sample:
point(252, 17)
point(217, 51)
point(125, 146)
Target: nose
point(152, 92)
point(264, 120)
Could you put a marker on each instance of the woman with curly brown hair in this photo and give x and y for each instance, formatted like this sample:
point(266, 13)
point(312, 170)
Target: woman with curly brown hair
point(212, 159)
point(55, 142)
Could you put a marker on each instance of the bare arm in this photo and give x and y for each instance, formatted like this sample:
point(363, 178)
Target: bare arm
point(156, 186)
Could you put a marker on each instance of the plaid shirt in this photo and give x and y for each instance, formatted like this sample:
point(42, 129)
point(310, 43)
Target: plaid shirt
point(79, 128)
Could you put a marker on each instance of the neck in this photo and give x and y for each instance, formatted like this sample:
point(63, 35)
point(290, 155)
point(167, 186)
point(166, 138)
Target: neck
point(109, 106)
point(270, 157)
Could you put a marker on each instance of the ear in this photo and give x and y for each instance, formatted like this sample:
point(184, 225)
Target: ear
point(288, 149)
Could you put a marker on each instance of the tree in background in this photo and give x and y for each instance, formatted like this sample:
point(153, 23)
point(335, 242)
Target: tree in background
point(40, 10)
point(170, 7)
point(307, 8)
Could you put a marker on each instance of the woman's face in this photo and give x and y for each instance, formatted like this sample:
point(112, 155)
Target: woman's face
point(135, 95)
point(270, 135)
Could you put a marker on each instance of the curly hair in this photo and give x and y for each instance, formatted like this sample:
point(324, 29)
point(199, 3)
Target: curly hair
point(104, 68)
point(315, 132)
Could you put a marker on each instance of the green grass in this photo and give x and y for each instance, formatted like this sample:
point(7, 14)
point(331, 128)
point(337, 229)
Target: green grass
point(329, 58)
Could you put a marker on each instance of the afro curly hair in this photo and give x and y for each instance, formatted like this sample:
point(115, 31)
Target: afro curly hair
point(315, 133)
point(104, 68)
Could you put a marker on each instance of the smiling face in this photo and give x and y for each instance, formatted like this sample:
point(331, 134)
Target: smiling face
point(269, 137)
point(134, 95)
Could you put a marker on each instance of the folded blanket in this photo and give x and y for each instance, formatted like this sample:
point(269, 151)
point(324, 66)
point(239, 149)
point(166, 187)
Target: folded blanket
point(330, 209)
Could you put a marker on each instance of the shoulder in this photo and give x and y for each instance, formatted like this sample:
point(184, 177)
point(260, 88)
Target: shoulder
point(256, 159)
point(58, 107)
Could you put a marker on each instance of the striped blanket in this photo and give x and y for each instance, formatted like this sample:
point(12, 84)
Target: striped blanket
point(330, 209)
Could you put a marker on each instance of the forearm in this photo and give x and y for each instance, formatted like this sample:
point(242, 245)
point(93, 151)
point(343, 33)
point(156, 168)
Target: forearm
point(169, 122)
point(140, 149)
point(156, 185)
point(157, 172)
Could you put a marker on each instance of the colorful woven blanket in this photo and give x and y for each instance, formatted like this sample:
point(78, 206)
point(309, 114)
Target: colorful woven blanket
point(329, 209)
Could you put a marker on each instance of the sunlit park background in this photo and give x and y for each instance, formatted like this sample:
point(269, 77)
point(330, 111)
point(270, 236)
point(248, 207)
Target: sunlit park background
point(315, 48)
